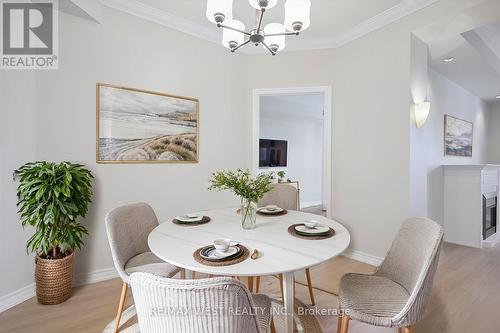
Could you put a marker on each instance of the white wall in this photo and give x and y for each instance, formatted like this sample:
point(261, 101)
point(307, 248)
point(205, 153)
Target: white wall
point(283, 119)
point(494, 134)
point(127, 51)
point(18, 137)
point(427, 147)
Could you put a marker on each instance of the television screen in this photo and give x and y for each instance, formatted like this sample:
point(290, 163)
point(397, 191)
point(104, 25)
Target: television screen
point(272, 153)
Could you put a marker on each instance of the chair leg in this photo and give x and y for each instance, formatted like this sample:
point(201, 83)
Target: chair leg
point(250, 283)
point(120, 307)
point(408, 329)
point(345, 324)
point(273, 328)
point(281, 287)
point(309, 285)
point(257, 284)
point(183, 274)
point(339, 323)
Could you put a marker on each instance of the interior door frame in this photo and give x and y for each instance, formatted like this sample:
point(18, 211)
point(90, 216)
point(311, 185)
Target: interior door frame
point(327, 132)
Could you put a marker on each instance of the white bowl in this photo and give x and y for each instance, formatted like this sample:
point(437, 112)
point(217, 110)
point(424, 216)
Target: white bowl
point(222, 245)
point(271, 207)
point(311, 224)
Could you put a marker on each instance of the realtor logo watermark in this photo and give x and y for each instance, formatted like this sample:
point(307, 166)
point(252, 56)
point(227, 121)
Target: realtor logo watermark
point(29, 34)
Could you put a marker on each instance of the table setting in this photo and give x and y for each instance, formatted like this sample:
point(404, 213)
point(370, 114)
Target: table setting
point(250, 241)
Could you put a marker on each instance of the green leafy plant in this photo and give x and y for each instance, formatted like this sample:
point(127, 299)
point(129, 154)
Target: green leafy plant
point(281, 174)
point(242, 184)
point(51, 197)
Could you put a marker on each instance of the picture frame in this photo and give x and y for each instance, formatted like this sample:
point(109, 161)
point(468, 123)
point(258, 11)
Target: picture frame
point(458, 137)
point(142, 126)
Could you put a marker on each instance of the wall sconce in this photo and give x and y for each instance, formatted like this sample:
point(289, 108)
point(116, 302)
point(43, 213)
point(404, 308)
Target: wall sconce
point(421, 111)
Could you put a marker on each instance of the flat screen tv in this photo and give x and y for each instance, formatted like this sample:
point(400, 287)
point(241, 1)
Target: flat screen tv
point(272, 153)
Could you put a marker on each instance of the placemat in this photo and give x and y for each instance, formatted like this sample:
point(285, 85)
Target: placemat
point(283, 212)
point(201, 260)
point(204, 219)
point(293, 232)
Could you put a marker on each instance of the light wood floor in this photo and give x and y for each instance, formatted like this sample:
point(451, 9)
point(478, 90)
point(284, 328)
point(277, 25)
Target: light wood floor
point(465, 298)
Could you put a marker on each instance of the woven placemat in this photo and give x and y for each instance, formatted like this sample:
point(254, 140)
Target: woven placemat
point(201, 260)
point(204, 219)
point(283, 212)
point(293, 232)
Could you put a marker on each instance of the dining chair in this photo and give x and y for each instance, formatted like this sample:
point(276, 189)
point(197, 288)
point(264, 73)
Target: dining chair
point(213, 305)
point(397, 293)
point(128, 227)
point(284, 196)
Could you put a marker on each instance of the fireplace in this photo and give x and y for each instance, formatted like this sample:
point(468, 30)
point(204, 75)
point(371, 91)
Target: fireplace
point(489, 214)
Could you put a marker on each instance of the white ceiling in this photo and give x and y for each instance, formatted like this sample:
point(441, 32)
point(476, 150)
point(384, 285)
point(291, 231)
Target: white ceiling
point(473, 39)
point(333, 22)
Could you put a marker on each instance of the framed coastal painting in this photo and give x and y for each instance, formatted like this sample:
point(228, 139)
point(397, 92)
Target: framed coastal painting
point(458, 134)
point(140, 126)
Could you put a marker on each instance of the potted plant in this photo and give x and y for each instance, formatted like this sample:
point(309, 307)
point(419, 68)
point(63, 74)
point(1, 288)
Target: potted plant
point(51, 198)
point(281, 175)
point(249, 189)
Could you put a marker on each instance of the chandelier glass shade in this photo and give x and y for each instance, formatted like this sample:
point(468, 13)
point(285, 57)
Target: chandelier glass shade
point(258, 4)
point(297, 15)
point(219, 10)
point(272, 36)
point(232, 38)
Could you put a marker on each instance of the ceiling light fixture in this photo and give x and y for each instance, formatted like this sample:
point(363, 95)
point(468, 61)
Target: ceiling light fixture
point(449, 59)
point(272, 36)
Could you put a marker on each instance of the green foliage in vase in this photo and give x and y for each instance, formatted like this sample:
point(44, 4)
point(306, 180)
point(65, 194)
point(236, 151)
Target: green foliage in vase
point(241, 183)
point(51, 197)
point(281, 174)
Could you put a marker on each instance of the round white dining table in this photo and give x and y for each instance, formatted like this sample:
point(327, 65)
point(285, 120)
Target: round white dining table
point(280, 252)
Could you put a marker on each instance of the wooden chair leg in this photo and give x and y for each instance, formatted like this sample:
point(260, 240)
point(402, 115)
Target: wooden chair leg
point(339, 323)
point(273, 328)
point(345, 324)
point(408, 329)
point(309, 285)
point(257, 284)
point(250, 283)
point(281, 287)
point(120, 307)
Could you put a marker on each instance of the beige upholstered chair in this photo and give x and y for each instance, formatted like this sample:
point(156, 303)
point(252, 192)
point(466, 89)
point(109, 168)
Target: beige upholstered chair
point(285, 196)
point(397, 293)
point(128, 227)
point(215, 305)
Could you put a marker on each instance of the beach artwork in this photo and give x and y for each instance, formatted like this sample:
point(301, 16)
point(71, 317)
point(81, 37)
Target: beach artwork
point(137, 126)
point(457, 137)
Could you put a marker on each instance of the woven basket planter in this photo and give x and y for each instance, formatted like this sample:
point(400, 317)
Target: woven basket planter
point(54, 279)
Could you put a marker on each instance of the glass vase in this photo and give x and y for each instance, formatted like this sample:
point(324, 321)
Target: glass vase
point(248, 213)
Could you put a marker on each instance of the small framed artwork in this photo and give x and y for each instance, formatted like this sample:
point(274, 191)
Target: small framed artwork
point(140, 126)
point(458, 135)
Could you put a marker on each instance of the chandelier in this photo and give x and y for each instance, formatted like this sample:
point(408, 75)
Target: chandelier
point(272, 36)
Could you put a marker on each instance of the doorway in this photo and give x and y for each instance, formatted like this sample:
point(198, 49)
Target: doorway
point(297, 122)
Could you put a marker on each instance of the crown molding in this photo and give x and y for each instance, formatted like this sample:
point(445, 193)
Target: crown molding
point(166, 19)
point(393, 14)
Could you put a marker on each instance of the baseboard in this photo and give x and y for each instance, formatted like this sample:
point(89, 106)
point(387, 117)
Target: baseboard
point(16, 297)
point(96, 276)
point(363, 257)
point(25, 293)
point(307, 204)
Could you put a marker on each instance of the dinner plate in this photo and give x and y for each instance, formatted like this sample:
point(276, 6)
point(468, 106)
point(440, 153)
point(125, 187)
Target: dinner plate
point(267, 211)
point(187, 219)
point(318, 230)
point(211, 253)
